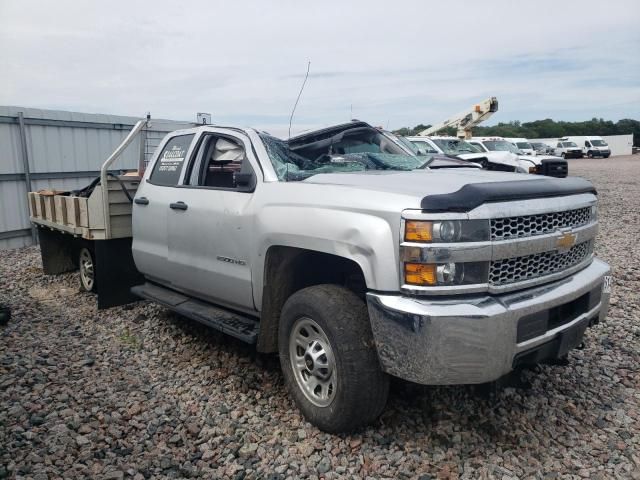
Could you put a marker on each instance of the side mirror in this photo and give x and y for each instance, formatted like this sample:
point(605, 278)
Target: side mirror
point(421, 153)
point(245, 182)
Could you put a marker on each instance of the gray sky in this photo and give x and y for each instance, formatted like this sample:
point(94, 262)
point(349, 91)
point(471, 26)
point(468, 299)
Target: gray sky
point(398, 63)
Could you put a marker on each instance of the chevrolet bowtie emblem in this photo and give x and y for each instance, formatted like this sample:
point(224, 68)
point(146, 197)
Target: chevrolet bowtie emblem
point(567, 240)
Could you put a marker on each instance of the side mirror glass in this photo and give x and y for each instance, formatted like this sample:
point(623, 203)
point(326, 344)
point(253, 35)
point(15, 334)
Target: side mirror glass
point(244, 179)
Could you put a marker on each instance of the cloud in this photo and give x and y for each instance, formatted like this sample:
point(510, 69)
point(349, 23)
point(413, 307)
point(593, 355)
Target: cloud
point(402, 64)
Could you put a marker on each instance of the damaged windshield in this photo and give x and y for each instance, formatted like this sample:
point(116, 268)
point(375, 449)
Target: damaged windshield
point(501, 146)
point(454, 146)
point(352, 150)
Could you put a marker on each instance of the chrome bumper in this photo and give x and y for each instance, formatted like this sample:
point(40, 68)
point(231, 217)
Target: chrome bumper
point(475, 339)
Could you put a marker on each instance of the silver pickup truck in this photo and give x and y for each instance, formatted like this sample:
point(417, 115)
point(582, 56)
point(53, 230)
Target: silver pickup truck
point(356, 260)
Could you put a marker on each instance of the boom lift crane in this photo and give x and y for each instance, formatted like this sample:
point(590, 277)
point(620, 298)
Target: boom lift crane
point(466, 120)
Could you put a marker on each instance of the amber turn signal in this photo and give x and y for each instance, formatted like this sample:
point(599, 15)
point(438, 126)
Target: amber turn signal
point(420, 273)
point(418, 231)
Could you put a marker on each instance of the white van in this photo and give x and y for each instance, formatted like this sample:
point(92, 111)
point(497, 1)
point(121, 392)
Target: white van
point(523, 145)
point(592, 146)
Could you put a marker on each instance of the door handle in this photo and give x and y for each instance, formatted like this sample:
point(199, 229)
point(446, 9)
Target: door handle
point(178, 206)
point(142, 201)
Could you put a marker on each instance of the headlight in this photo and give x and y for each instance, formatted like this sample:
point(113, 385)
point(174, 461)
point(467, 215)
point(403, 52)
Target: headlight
point(446, 231)
point(441, 274)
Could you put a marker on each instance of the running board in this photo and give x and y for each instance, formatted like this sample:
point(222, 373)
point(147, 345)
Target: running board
point(231, 323)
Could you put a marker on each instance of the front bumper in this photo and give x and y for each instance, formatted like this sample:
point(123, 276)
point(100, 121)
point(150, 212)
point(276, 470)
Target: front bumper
point(478, 339)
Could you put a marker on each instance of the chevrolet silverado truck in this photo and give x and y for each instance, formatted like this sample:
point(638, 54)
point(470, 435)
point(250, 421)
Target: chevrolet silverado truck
point(355, 261)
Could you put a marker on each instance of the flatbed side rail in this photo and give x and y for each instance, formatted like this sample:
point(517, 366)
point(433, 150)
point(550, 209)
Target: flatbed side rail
point(104, 171)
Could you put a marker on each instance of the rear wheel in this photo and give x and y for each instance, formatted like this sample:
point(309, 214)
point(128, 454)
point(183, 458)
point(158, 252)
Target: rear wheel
point(87, 265)
point(328, 358)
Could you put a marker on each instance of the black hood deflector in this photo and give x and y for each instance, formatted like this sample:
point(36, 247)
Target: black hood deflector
point(475, 194)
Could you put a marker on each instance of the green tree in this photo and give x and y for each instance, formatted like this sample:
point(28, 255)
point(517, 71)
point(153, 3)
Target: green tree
point(546, 128)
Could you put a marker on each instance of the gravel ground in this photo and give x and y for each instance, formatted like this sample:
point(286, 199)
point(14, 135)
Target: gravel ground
point(137, 392)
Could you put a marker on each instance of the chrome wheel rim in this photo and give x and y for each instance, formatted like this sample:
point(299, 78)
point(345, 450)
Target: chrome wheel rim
point(86, 269)
point(313, 362)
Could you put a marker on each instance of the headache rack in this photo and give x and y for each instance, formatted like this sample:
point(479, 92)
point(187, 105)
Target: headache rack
point(101, 211)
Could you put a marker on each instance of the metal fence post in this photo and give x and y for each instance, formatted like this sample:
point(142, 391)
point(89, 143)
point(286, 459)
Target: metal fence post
point(25, 164)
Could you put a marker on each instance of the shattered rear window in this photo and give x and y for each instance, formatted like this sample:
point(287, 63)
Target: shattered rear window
point(291, 167)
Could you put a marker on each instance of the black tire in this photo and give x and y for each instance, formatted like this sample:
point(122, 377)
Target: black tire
point(590, 154)
point(361, 388)
point(562, 154)
point(87, 267)
point(484, 163)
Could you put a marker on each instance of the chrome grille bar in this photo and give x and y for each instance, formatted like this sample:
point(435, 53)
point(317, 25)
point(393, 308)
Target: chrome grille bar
point(518, 269)
point(531, 225)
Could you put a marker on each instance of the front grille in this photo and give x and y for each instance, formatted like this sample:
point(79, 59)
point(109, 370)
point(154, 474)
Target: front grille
point(554, 168)
point(529, 225)
point(518, 269)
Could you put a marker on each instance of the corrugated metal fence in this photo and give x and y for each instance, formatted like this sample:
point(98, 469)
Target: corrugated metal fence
point(51, 149)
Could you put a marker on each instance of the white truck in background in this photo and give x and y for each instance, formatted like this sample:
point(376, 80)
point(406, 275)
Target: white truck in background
point(522, 144)
point(540, 164)
point(456, 147)
point(592, 146)
point(566, 148)
point(507, 158)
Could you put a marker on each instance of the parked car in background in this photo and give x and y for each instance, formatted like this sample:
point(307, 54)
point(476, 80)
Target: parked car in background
point(592, 146)
point(542, 148)
point(567, 149)
point(523, 145)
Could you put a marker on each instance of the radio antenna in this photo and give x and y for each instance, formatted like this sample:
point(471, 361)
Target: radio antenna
point(298, 99)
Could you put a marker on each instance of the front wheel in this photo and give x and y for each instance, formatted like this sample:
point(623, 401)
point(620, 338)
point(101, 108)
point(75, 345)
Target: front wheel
point(329, 360)
point(590, 154)
point(562, 154)
point(87, 265)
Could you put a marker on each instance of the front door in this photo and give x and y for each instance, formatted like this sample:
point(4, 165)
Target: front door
point(211, 223)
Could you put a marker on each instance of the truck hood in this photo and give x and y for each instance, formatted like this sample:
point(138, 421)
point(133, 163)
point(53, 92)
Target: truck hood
point(415, 181)
point(458, 190)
